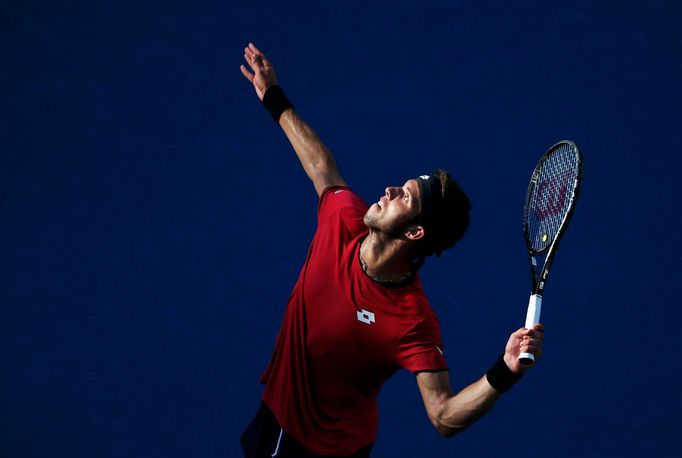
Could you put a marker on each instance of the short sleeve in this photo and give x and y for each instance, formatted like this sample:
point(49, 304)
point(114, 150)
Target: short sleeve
point(344, 202)
point(421, 348)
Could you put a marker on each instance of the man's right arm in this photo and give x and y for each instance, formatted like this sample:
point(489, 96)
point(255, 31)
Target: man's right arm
point(315, 157)
point(451, 413)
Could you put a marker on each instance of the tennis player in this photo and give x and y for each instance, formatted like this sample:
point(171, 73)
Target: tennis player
point(358, 312)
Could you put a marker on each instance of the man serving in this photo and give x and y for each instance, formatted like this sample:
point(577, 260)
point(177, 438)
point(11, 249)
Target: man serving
point(358, 312)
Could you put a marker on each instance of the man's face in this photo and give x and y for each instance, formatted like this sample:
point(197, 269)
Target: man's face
point(397, 207)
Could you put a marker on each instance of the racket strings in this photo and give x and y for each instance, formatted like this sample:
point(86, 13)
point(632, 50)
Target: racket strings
point(551, 197)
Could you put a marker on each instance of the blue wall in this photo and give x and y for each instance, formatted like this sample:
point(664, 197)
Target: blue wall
point(154, 218)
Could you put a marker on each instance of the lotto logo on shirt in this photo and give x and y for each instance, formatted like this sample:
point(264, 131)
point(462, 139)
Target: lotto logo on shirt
point(366, 316)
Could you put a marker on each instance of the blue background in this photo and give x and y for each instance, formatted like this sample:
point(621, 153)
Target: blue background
point(154, 218)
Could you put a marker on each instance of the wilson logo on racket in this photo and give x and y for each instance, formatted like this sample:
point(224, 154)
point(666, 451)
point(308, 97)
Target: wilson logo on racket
point(551, 197)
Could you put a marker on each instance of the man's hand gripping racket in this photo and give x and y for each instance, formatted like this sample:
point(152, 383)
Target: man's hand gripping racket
point(550, 202)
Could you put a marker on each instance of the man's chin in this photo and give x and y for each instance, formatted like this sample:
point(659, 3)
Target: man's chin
point(369, 219)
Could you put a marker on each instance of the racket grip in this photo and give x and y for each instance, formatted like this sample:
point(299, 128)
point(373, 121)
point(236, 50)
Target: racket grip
point(532, 318)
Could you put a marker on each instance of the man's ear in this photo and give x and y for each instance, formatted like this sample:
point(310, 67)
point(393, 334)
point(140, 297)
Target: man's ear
point(414, 232)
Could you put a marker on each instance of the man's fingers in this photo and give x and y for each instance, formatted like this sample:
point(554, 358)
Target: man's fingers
point(530, 345)
point(537, 330)
point(246, 73)
point(251, 60)
point(253, 55)
point(250, 54)
point(523, 334)
point(257, 51)
point(258, 55)
point(532, 341)
point(257, 63)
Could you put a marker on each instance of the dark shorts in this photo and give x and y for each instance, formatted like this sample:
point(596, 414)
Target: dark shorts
point(265, 438)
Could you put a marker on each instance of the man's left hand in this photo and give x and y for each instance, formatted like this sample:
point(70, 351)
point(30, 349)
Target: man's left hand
point(263, 75)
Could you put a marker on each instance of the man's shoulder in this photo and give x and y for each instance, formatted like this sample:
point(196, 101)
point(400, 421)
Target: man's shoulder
point(342, 194)
point(341, 199)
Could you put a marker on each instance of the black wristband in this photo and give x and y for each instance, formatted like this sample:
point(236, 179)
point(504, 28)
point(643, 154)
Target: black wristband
point(501, 377)
point(275, 101)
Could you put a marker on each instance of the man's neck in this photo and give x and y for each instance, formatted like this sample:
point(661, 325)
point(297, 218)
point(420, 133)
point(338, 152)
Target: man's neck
point(385, 259)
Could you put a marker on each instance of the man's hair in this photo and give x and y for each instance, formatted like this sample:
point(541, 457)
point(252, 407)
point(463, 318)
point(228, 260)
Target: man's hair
point(449, 219)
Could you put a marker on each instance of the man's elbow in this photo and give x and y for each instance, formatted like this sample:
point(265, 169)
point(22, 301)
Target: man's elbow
point(445, 429)
point(448, 431)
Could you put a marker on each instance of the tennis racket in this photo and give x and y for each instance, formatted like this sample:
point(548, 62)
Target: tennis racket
point(550, 202)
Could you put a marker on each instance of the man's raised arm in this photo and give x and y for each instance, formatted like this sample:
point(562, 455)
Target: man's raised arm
point(316, 159)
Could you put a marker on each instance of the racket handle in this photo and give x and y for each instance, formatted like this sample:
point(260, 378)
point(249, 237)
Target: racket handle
point(532, 318)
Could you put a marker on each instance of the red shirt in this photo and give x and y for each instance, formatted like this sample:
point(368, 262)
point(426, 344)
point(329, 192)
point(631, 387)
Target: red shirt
point(343, 335)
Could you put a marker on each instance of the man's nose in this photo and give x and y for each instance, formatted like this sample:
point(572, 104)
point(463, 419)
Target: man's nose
point(390, 192)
